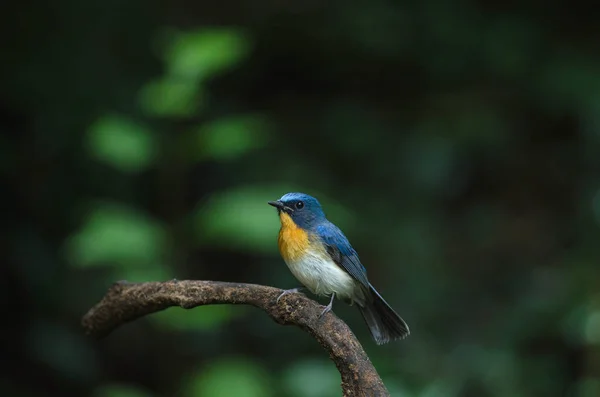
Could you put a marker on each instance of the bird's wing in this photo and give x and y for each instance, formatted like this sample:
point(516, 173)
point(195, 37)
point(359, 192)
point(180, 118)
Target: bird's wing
point(341, 252)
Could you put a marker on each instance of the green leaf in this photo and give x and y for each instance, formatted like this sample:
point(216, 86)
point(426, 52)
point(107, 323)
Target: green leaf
point(171, 97)
point(200, 54)
point(123, 143)
point(204, 317)
point(116, 234)
point(231, 377)
point(229, 138)
point(191, 58)
point(120, 390)
point(239, 218)
point(311, 378)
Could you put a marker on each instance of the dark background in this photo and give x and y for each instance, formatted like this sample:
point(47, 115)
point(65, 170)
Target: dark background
point(457, 144)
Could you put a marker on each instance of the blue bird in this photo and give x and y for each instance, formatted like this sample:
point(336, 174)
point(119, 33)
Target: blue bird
point(322, 259)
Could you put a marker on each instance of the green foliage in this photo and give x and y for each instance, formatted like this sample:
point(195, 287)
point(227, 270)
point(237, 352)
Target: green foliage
point(229, 138)
point(122, 143)
point(191, 58)
point(230, 377)
point(171, 97)
point(201, 54)
point(117, 235)
point(587, 387)
point(311, 378)
point(239, 218)
point(206, 318)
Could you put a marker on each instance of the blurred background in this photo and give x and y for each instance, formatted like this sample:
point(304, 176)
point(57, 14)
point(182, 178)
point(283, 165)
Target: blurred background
point(456, 144)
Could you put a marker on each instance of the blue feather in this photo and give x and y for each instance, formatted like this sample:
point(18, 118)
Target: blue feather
point(341, 252)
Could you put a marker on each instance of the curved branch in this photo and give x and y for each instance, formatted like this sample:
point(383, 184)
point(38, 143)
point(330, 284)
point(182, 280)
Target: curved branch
point(125, 302)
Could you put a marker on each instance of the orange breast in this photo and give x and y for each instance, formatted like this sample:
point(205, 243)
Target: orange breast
point(293, 240)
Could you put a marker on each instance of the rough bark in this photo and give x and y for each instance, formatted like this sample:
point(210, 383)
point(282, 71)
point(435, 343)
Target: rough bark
point(125, 302)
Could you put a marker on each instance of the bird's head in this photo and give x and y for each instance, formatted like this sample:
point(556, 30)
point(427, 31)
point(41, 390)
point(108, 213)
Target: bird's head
point(303, 209)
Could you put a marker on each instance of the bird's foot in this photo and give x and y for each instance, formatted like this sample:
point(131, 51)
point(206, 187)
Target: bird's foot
point(325, 311)
point(289, 291)
point(328, 307)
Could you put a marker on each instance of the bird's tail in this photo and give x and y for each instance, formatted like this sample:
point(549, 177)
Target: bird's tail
point(384, 323)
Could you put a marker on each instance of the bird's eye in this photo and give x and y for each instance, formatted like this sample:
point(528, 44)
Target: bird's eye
point(299, 205)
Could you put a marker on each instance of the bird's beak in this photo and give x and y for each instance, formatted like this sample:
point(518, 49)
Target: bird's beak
point(277, 204)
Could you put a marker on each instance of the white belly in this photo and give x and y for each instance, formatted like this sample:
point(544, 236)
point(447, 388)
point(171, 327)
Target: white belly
point(322, 276)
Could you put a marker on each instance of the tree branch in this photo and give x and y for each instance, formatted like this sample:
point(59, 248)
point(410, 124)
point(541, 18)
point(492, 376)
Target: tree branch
point(125, 302)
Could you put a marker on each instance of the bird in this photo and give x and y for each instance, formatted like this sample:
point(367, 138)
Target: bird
point(322, 259)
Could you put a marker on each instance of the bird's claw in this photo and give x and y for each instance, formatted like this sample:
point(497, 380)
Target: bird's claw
point(288, 291)
point(328, 307)
point(325, 311)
